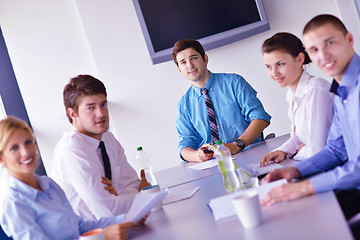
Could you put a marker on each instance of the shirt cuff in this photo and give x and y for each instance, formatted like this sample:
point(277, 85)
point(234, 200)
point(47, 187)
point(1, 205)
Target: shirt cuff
point(323, 182)
point(120, 218)
point(302, 154)
point(290, 146)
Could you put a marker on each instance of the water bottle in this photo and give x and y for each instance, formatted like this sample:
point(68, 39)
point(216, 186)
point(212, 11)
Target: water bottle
point(227, 168)
point(144, 163)
point(245, 178)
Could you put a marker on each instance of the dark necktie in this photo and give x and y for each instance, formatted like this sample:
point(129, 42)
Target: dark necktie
point(212, 118)
point(106, 160)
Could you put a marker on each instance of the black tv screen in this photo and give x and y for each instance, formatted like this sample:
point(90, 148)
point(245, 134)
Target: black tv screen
point(213, 22)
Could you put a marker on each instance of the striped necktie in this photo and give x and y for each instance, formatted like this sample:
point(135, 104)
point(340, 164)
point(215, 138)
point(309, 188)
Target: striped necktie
point(105, 158)
point(211, 113)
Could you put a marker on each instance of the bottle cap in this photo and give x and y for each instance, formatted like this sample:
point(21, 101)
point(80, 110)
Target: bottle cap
point(139, 149)
point(218, 142)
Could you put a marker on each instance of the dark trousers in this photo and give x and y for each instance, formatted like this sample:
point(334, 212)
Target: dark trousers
point(350, 204)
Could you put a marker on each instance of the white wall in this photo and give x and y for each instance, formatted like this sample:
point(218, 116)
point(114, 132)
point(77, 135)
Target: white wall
point(51, 41)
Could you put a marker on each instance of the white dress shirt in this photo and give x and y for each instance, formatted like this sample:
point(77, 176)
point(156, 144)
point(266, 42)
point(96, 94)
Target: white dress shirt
point(77, 167)
point(311, 114)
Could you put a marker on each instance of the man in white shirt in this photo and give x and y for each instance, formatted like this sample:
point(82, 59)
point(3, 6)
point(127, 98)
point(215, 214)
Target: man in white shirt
point(78, 166)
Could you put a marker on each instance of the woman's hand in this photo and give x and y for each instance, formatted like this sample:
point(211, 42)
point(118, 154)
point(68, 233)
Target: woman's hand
point(275, 156)
point(117, 231)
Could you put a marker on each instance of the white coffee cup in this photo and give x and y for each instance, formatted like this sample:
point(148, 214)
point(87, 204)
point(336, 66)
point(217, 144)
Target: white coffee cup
point(248, 209)
point(96, 234)
point(152, 189)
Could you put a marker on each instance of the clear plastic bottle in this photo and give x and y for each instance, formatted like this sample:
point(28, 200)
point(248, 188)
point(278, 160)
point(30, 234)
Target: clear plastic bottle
point(144, 163)
point(244, 177)
point(227, 168)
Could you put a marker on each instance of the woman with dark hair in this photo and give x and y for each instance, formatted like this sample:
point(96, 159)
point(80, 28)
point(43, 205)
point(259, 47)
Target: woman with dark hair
point(310, 101)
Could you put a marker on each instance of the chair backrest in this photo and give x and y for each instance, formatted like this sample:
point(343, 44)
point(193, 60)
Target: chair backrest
point(269, 136)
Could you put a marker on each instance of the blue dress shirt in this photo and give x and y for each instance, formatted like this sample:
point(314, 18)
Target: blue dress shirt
point(28, 213)
point(235, 104)
point(340, 158)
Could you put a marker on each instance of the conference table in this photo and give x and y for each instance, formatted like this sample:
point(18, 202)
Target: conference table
point(315, 217)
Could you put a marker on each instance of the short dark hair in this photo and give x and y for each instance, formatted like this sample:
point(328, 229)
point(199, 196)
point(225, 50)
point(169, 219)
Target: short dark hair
point(323, 19)
point(185, 44)
point(81, 85)
point(287, 42)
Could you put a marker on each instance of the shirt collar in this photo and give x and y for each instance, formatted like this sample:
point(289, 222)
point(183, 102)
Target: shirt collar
point(210, 81)
point(349, 80)
point(303, 82)
point(208, 85)
point(94, 143)
point(18, 186)
point(351, 73)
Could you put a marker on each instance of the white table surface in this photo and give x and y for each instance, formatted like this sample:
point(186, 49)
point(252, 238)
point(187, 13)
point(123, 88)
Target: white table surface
point(314, 217)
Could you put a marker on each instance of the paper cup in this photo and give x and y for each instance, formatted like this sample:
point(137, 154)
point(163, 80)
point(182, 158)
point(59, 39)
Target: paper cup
point(248, 209)
point(96, 234)
point(152, 189)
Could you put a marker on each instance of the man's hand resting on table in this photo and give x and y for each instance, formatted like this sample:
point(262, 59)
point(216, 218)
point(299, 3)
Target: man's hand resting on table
point(288, 191)
point(289, 174)
point(200, 155)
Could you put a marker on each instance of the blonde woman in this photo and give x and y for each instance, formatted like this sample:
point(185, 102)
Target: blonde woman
point(35, 207)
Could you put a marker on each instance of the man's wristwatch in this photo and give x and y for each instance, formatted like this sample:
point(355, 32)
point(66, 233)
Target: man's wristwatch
point(240, 143)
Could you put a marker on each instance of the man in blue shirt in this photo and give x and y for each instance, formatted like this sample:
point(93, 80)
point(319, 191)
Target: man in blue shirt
point(337, 166)
point(239, 117)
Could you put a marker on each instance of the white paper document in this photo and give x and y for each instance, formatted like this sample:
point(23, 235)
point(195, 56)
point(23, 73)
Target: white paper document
point(255, 170)
point(178, 196)
point(143, 203)
point(205, 165)
point(222, 207)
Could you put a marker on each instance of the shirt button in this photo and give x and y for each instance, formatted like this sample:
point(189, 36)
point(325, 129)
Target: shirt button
point(344, 101)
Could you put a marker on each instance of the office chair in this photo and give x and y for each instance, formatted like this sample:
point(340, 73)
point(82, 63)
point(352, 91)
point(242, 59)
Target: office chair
point(354, 224)
point(269, 136)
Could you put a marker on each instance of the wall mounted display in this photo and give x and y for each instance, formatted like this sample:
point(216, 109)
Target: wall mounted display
point(214, 23)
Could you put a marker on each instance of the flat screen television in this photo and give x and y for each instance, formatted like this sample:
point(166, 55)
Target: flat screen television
point(213, 22)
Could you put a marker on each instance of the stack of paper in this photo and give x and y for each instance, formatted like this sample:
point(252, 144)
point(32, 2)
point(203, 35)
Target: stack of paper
point(255, 170)
point(175, 196)
point(222, 207)
point(143, 203)
point(205, 165)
